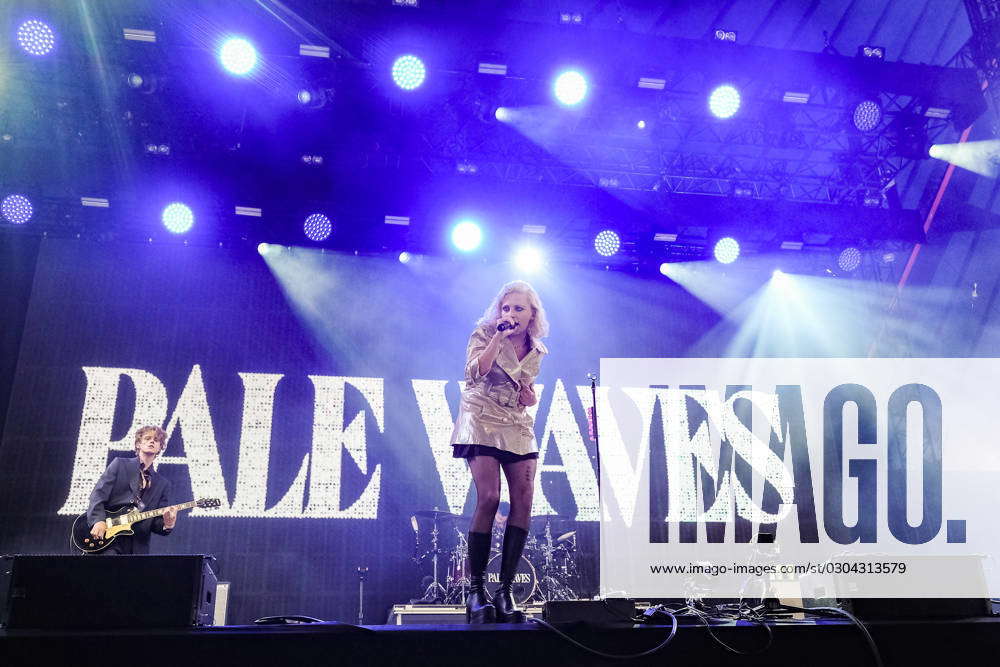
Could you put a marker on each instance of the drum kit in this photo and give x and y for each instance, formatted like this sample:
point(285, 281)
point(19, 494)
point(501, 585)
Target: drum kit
point(547, 569)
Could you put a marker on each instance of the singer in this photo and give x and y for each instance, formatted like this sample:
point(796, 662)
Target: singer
point(493, 432)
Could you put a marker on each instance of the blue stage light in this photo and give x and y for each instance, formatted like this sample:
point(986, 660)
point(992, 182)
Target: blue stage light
point(16, 209)
point(529, 259)
point(726, 250)
point(570, 88)
point(867, 115)
point(849, 259)
point(238, 56)
point(724, 101)
point(177, 218)
point(466, 236)
point(36, 38)
point(317, 227)
point(405, 257)
point(408, 72)
point(607, 243)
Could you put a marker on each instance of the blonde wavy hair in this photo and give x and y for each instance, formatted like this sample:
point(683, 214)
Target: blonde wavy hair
point(539, 327)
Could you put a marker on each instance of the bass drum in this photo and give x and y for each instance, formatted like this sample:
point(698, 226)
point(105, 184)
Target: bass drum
point(525, 579)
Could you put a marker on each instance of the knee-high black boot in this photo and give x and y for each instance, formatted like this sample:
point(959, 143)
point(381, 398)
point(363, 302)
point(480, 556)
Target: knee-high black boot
point(478, 608)
point(503, 600)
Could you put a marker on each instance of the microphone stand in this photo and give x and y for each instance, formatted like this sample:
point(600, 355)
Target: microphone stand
point(597, 455)
point(596, 436)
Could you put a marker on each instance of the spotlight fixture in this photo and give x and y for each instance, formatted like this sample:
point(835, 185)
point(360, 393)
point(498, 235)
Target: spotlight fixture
point(529, 259)
point(570, 88)
point(143, 83)
point(313, 98)
point(408, 72)
point(16, 209)
point(177, 218)
point(724, 101)
point(238, 56)
point(607, 243)
point(317, 227)
point(570, 18)
point(867, 115)
point(873, 52)
point(312, 160)
point(721, 35)
point(727, 250)
point(36, 38)
point(466, 236)
point(405, 257)
point(849, 259)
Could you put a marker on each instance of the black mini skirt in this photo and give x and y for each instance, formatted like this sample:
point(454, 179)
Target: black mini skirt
point(470, 451)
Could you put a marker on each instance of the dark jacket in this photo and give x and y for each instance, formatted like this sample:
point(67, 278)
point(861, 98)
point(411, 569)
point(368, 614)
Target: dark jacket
point(119, 485)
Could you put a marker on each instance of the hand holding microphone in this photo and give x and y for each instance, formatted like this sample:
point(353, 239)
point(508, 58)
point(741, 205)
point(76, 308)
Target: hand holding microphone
point(507, 329)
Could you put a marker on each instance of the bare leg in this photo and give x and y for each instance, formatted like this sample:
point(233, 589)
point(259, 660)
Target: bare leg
point(521, 483)
point(486, 475)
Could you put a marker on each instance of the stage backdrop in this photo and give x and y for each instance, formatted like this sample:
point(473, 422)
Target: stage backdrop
point(312, 393)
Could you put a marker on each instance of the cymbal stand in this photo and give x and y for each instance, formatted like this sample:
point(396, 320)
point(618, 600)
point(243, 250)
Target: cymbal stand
point(435, 591)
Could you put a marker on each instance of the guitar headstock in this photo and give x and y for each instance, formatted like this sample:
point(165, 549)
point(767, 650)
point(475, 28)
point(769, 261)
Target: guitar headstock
point(208, 503)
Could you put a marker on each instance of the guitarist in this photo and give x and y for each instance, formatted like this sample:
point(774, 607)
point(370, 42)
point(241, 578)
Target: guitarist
point(132, 481)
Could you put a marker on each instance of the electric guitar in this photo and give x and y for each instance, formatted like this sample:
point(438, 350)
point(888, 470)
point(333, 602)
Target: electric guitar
point(120, 520)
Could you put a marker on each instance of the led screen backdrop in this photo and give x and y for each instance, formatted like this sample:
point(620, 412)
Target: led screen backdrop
point(311, 393)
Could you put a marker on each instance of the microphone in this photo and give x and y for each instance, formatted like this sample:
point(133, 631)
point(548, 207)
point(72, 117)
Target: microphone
point(503, 326)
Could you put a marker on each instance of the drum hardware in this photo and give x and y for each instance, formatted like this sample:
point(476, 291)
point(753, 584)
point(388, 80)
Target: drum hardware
point(435, 593)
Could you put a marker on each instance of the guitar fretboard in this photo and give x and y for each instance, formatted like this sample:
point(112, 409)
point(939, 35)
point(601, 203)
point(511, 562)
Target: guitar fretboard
point(139, 516)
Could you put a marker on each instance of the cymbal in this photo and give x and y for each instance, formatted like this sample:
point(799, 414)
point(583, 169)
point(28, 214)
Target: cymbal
point(566, 536)
point(438, 514)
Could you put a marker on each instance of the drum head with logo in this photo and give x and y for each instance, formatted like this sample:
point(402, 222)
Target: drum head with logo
point(525, 579)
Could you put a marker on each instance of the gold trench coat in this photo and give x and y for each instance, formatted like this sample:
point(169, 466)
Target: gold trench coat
point(489, 412)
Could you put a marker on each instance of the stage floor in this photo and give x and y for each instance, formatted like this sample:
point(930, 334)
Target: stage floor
point(793, 643)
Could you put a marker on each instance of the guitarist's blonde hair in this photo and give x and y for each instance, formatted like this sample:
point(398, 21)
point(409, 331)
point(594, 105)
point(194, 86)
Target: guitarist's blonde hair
point(161, 437)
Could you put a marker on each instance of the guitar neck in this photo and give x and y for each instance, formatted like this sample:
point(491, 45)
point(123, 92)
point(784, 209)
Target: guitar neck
point(163, 510)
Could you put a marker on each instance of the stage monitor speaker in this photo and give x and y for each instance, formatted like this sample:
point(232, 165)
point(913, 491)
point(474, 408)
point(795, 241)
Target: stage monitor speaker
point(90, 592)
point(611, 611)
point(916, 608)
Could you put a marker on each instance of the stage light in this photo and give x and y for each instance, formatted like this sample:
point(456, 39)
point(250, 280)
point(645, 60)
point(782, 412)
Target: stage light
point(570, 88)
point(317, 227)
point(314, 98)
point(36, 38)
point(238, 56)
point(780, 279)
point(849, 259)
point(263, 248)
point(724, 101)
point(641, 125)
point(408, 72)
point(607, 243)
point(725, 35)
point(665, 269)
point(466, 236)
point(874, 52)
point(502, 114)
point(528, 259)
point(177, 218)
point(405, 257)
point(867, 115)
point(16, 209)
point(726, 250)
point(935, 151)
